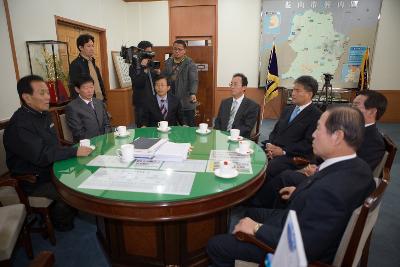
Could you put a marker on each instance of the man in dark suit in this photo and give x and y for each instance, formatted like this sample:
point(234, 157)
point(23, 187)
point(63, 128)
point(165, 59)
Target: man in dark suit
point(291, 135)
point(324, 203)
point(238, 111)
point(372, 105)
point(86, 116)
point(163, 107)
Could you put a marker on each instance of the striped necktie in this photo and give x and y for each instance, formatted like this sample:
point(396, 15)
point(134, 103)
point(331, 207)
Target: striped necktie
point(163, 109)
point(232, 115)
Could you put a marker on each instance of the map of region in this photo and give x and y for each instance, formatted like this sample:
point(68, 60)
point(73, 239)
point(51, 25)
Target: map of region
point(317, 44)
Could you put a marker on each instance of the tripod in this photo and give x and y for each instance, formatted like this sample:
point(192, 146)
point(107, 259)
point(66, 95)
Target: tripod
point(327, 87)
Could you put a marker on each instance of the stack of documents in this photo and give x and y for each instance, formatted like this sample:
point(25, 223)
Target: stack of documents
point(146, 147)
point(172, 152)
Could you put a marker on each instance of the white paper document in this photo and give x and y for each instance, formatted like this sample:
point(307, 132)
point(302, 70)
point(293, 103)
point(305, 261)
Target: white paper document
point(146, 164)
point(108, 161)
point(147, 181)
point(172, 152)
point(242, 162)
point(189, 165)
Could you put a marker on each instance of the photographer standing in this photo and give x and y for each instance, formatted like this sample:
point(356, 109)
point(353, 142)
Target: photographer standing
point(182, 74)
point(142, 77)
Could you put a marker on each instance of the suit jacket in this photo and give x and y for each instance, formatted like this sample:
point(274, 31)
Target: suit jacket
point(372, 148)
point(152, 113)
point(245, 117)
point(85, 122)
point(296, 137)
point(324, 204)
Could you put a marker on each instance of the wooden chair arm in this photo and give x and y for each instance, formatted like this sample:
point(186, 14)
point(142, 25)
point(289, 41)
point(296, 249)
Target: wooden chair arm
point(26, 177)
point(253, 240)
point(44, 259)
point(300, 161)
point(22, 197)
point(65, 142)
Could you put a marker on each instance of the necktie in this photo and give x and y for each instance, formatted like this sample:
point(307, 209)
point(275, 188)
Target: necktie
point(232, 115)
point(295, 112)
point(163, 109)
point(91, 104)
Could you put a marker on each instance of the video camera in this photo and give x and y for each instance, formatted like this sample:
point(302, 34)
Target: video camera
point(134, 55)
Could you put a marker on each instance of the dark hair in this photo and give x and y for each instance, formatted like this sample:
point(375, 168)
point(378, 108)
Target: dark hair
point(80, 80)
point(24, 85)
point(375, 100)
point(83, 39)
point(181, 42)
point(310, 84)
point(348, 119)
point(144, 44)
point(244, 78)
point(160, 77)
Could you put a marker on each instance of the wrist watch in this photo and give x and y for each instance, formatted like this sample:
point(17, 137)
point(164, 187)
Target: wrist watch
point(256, 227)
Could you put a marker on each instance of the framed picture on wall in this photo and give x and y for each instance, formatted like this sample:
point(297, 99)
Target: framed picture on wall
point(122, 70)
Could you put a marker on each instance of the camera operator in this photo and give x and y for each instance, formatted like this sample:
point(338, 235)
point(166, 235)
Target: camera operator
point(142, 76)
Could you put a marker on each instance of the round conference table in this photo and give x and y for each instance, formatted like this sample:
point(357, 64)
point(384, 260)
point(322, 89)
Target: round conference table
point(156, 229)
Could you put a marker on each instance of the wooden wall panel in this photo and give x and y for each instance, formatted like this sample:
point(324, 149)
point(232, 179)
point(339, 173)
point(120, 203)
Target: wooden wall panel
point(392, 113)
point(119, 104)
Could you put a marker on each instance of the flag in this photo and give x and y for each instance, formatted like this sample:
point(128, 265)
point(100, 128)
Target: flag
point(363, 81)
point(271, 87)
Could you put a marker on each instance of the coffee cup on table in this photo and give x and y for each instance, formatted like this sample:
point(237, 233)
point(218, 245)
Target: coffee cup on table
point(244, 147)
point(226, 166)
point(126, 152)
point(121, 130)
point(203, 127)
point(235, 133)
point(84, 142)
point(163, 125)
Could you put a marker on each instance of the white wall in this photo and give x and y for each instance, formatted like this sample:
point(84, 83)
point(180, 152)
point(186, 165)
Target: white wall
point(238, 40)
point(386, 61)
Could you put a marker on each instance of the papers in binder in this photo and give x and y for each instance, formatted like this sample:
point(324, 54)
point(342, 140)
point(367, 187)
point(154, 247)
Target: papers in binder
point(172, 152)
point(290, 249)
point(146, 147)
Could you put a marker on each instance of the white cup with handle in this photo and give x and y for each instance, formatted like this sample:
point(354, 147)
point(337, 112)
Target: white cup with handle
point(163, 125)
point(121, 130)
point(203, 127)
point(235, 133)
point(84, 142)
point(244, 147)
point(226, 167)
point(126, 153)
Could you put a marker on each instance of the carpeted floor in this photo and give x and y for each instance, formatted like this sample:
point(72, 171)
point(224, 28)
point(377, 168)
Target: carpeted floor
point(80, 247)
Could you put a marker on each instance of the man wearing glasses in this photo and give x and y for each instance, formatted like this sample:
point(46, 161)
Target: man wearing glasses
point(181, 72)
point(238, 111)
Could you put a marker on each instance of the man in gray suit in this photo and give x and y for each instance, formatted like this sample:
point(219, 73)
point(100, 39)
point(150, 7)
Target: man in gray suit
point(182, 74)
point(238, 111)
point(86, 116)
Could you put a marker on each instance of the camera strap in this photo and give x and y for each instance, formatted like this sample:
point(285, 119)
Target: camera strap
point(151, 82)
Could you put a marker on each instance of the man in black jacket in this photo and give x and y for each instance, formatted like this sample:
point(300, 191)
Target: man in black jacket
point(238, 111)
point(85, 64)
point(324, 203)
point(32, 146)
point(142, 77)
point(163, 106)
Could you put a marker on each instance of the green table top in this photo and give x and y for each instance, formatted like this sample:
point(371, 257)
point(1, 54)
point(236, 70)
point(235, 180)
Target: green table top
point(72, 172)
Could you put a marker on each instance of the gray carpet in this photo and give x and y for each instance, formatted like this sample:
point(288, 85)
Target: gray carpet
point(81, 248)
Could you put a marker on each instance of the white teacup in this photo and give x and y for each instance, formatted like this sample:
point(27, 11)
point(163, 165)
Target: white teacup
point(244, 147)
point(226, 166)
point(163, 125)
point(235, 133)
point(203, 127)
point(121, 130)
point(126, 153)
point(84, 142)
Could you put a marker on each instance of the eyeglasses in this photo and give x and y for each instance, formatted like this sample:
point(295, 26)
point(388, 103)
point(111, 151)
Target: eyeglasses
point(161, 85)
point(235, 85)
point(178, 49)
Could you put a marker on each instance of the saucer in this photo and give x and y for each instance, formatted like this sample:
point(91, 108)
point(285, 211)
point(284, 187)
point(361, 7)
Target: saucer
point(232, 174)
point(249, 152)
point(164, 131)
point(93, 147)
point(240, 138)
point(203, 133)
point(122, 135)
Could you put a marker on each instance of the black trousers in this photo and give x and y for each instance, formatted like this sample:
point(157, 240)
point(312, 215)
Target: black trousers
point(139, 110)
point(188, 117)
point(225, 249)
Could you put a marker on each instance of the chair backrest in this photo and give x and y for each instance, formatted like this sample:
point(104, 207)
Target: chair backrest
point(359, 228)
point(255, 132)
point(391, 148)
point(378, 169)
point(63, 131)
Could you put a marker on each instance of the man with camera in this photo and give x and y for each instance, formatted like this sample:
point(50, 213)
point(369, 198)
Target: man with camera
point(182, 74)
point(143, 71)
